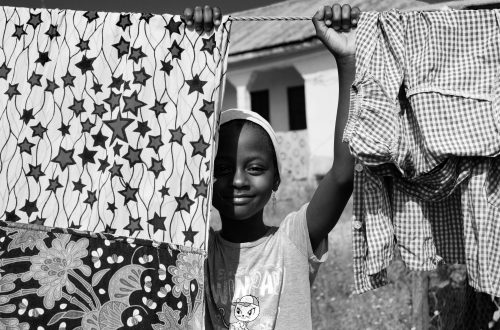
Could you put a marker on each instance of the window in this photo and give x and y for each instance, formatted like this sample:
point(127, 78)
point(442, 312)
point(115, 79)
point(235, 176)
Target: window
point(297, 107)
point(260, 102)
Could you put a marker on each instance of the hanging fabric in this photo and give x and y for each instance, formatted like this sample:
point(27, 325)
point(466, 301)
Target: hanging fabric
point(107, 125)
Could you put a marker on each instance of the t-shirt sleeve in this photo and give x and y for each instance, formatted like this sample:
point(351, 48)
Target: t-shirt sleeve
point(295, 227)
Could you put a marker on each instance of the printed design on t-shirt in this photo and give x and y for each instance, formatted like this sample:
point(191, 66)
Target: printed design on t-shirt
point(246, 310)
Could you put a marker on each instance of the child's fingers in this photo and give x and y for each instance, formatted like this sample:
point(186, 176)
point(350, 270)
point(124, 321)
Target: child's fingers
point(355, 13)
point(198, 18)
point(337, 17)
point(346, 17)
point(217, 16)
point(188, 16)
point(327, 15)
point(208, 22)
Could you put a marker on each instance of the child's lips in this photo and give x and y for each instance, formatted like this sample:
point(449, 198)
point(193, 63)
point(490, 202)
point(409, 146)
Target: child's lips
point(239, 199)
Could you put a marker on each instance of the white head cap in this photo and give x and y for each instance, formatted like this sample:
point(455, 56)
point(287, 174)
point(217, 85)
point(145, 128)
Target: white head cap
point(234, 114)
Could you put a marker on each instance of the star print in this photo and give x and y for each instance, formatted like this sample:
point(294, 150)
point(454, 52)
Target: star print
point(91, 15)
point(97, 87)
point(133, 225)
point(146, 17)
point(166, 67)
point(118, 126)
point(35, 172)
point(74, 226)
point(159, 108)
point(126, 85)
point(104, 164)
point(38, 130)
point(184, 203)
point(201, 188)
point(100, 140)
point(132, 103)
point(156, 167)
point(199, 147)
point(64, 158)
point(116, 170)
point(112, 208)
point(116, 149)
point(54, 184)
point(207, 108)
point(77, 107)
point(99, 110)
point(140, 77)
point(19, 32)
point(195, 84)
point(142, 128)
point(157, 222)
point(11, 216)
point(78, 185)
point(124, 21)
point(35, 20)
point(209, 44)
point(87, 156)
point(129, 194)
point(51, 86)
point(29, 208)
point(4, 71)
point(109, 230)
point(87, 126)
point(27, 116)
point(173, 26)
point(35, 79)
point(175, 50)
point(52, 32)
point(116, 82)
point(133, 156)
point(113, 100)
point(136, 54)
point(83, 45)
point(25, 146)
point(43, 58)
point(12, 91)
point(164, 191)
point(155, 143)
point(85, 64)
point(38, 221)
point(64, 129)
point(177, 135)
point(91, 198)
point(68, 79)
point(189, 235)
point(122, 47)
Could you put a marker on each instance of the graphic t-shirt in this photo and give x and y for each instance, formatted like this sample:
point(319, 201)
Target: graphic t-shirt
point(263, 284)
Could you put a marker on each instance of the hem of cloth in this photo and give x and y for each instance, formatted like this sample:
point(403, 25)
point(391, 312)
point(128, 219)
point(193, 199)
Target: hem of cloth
point(104, 236)
point(354, 113)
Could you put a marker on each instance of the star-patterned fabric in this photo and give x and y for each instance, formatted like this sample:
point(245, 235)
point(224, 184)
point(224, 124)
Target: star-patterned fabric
point(107, 122)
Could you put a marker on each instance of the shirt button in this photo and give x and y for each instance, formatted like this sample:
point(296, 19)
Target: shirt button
point(357, 225)
point(358, 168)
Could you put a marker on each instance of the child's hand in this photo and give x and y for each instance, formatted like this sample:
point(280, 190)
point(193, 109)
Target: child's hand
point(334, 27)
point(204, 18)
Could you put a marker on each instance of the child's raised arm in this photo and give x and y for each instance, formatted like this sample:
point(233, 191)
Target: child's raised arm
point(335, 28)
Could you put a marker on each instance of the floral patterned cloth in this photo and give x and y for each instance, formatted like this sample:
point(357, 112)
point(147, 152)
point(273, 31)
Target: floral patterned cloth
point(294, 153)
point(68, 279)
point(107, 122)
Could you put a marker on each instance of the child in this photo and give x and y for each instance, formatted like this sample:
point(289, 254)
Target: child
point(259, 277)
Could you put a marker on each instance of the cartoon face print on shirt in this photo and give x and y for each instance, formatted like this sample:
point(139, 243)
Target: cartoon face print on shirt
point(246, 310)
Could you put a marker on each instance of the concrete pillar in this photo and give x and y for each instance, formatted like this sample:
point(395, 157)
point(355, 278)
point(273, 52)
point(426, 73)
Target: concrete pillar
point(241, 80)
point(321, 96)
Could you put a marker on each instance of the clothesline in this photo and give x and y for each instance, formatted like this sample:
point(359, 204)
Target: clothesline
point(270, 18)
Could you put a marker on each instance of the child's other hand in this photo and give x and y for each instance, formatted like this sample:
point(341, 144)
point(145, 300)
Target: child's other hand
point(202, 18)
point(335, 28)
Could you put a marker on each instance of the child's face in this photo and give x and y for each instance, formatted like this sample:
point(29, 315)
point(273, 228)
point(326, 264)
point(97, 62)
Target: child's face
point(244, 172)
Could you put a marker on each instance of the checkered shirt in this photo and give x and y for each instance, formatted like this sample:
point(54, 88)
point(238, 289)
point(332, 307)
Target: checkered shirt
point(421, 173)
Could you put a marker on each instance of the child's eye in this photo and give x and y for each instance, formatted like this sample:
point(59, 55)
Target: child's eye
point(221, 169)
point(256, 170)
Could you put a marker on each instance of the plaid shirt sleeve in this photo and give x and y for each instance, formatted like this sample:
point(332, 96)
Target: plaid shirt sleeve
point(423, 127)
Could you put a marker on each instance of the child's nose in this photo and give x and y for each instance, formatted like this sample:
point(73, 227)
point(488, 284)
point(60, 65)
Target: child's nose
point(239, 178)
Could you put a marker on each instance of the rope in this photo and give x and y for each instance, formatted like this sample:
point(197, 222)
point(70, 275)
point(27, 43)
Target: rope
point(270, 18)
